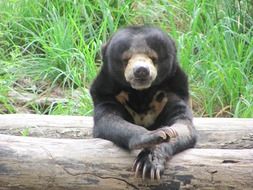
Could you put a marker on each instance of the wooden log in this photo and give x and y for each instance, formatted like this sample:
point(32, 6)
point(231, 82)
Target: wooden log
point(213, 132)
point(39, 163)
point(52, 126)
point(26, 98)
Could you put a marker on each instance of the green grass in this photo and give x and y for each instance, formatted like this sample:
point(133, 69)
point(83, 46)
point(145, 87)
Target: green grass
point(59, 42)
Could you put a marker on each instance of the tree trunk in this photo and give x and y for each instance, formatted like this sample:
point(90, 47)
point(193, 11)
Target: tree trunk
point(40, 163)
point(213, 132)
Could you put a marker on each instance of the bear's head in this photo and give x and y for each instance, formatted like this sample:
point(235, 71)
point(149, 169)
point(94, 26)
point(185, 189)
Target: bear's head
point(139, 56)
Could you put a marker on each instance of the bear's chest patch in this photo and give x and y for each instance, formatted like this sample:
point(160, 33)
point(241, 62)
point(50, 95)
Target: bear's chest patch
point(148, 116)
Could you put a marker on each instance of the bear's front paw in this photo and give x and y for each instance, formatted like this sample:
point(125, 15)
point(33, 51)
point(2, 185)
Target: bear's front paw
point(150, 164)
point(152, 138)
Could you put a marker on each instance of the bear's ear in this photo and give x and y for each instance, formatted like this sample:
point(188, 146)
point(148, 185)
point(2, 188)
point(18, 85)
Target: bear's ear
point(173, 56)
point(174, 51)
point(174, 46)
point(104, 49)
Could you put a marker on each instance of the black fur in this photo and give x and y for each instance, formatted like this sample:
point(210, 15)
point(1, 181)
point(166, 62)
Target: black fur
point(112, 121)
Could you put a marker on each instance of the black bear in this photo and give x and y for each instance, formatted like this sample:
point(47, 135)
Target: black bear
point(141, 98)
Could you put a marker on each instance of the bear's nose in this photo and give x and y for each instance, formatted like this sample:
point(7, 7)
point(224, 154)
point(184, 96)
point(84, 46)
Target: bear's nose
point(141, 72)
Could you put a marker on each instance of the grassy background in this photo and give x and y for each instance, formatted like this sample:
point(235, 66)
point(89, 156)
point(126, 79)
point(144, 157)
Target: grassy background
point(53, 47)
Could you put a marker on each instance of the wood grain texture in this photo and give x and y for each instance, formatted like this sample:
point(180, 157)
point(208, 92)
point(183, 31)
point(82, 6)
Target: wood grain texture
point(44, 163)
point(213, 132)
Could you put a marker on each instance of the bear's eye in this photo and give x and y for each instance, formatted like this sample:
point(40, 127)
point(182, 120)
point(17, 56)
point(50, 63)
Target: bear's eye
point(154, 59)
point(125, 58)
point(125, 61)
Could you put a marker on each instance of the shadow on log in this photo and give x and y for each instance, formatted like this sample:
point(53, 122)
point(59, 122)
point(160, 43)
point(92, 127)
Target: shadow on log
point(39, 163)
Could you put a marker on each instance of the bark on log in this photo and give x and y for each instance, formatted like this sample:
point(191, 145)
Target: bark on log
point(39, 163)
point(213, 132)
point(50, 126)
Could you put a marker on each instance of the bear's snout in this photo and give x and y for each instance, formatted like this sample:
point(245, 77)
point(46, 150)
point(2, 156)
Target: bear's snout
point(141, 72)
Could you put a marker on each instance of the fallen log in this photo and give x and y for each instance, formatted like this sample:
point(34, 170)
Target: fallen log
point(26, 98)
point(40, 163)
point(213, 132)
point(52, 126)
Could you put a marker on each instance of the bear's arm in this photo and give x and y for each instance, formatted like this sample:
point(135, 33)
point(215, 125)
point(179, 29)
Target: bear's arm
point(177, 116)
point(111, 121)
